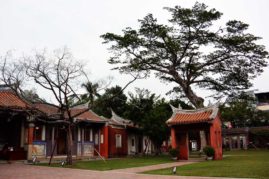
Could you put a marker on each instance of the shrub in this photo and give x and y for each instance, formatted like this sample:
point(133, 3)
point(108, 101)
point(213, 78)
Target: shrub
point(174, 152)
point(209, 151)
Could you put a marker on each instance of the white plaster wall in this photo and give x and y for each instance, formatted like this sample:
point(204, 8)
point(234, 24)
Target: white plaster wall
point(132, 149)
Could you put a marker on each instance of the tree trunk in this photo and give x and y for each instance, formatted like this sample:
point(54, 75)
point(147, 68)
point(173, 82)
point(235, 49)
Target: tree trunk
point(197, 101)
point(69, 146)
point(54, 147)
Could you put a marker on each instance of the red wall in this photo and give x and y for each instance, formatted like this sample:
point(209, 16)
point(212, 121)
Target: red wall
point(104, 145)
point(173, 138)
point(179, 137)
point(183, 144)
point(113, 151)
point(180, 141)
point(215, 138)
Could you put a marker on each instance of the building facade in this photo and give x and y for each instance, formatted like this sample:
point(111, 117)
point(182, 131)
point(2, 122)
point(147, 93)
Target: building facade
point(28, 130)
point(204, 121)
point(125, 138)
point(245, 138)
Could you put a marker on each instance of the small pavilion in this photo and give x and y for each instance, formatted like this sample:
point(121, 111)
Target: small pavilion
point(183, 122)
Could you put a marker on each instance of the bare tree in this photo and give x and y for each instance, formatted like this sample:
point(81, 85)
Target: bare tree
point(12, 74)
point(60, 75)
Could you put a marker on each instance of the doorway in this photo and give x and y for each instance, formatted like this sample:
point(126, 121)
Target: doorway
point(61, 145)
point(11, 144)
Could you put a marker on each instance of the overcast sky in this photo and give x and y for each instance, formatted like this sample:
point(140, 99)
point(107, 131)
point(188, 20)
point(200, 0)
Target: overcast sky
point(26, 25)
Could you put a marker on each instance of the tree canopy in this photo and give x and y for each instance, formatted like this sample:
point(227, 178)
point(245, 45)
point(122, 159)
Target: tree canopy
point(144, 108)
point(91, 92)
point(191, 51)
point(113, 98)
point(150, 113)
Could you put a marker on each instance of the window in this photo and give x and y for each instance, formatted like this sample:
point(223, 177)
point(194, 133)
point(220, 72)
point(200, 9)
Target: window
point(49, 134)
point(26, 135)
point(118, 141)
point(102, 139)
point(96, 138)
point(74, 136)
point(88, 135)
point(38, 132)
point(133, 142)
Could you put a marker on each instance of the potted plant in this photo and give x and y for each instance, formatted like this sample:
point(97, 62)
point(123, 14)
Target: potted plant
point(209, 152)
point(174, 153)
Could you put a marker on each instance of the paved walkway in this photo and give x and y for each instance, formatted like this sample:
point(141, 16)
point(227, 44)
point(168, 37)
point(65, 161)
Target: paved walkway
point(153, 167)
point(22, 171)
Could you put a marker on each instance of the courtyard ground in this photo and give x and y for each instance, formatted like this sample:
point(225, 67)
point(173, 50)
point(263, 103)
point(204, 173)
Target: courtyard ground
point(247, 164)
point(22, 171)
point(111, 164)
point(241, 164)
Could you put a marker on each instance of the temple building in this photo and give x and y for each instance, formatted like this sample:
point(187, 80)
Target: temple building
point(249, 137)
point(15, 122)
point(245, 138)
point(28, 130)
point(262, 101)
point(204, 122)
point(36, 129)
point(125, 138)
point(87, 133)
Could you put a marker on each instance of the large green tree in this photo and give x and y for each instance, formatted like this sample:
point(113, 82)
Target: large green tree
point(191, 51)
point(91, 92)
point(113, 98)
point(150, 113)
point(140, 103)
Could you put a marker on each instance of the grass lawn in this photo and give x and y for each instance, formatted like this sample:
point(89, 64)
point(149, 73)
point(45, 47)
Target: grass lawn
point(248, 164)
point(117, 163)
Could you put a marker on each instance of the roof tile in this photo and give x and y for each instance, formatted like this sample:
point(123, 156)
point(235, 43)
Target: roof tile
point(191, 116)
point(10, 100)
point(83, 113)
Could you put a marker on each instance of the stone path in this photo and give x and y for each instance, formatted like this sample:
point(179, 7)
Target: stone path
point(22, 171)
point(154, 167)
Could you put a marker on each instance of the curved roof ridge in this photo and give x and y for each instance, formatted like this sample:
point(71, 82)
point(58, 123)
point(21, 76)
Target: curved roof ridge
point(188, 111)
point(115, 117)
point(102, 117)
point(119, 120)
point(82, 106)
point(88, 114)
point(205, 114)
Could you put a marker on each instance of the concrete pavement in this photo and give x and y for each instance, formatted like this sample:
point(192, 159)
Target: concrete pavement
point(153, 167)
point(22, 171)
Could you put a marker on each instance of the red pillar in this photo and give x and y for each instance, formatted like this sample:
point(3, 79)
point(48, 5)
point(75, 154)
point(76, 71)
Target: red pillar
point(173, 138)
point(30, 135)
point(104, 145)
point(183, 146)
point(106, 141)
point(216, 138)
point(30, 141)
